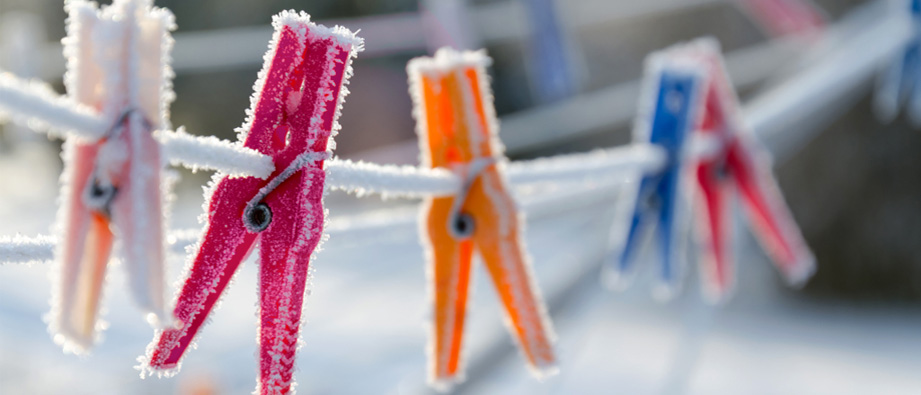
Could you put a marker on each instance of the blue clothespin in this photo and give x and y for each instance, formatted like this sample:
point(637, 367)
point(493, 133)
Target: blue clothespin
point(659, 198)
point(899, 84)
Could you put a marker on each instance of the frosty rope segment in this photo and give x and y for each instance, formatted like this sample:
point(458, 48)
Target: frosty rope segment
point(22, 249)
point(34, 104)
point(365, 178)
point(212, 153)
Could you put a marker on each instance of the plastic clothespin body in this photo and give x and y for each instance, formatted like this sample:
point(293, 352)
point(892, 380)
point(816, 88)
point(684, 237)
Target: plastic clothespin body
point(672, 103)
point(899, 84)
point(688, 91)
point(743, 165)
point(292, 120)
point(457, 130)
point(111, 188)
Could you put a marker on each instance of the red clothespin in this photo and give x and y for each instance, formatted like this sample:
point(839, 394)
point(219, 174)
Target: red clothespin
point(111, 187)
point(292, 119)
point(739, 163)
point(458, 130)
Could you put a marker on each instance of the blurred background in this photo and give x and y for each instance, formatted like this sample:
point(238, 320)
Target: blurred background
point(565, 79)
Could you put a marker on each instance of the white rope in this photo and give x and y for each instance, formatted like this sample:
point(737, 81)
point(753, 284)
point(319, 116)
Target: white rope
point(588, 167)
point(364, 178)
point(211, 153)
point(34, 104)
point(23, 249)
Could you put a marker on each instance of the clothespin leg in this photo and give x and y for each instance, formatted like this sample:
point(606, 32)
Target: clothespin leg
point(225, 245)
point(717, 272)
point(141, 231)
point(285, 251)
point(86, 243)
point(450, 271)
point(625, 260)
point(670, 226)
point(772, 220)
point(498, 239)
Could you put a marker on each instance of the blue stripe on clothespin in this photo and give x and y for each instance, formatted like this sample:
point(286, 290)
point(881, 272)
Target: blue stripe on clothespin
point(659, 196)
point(549, 57)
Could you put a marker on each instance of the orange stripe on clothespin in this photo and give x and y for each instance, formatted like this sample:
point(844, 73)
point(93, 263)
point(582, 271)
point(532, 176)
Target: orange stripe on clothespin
point(457, 130)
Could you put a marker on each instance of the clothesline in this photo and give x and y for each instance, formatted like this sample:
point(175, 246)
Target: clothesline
point(771, 115)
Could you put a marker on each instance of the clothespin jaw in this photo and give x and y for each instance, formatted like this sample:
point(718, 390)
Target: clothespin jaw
point(740, 164)
point(670, 105)
point(111, 188)
point(457, 130)
point(292, 119)
point(899, 84)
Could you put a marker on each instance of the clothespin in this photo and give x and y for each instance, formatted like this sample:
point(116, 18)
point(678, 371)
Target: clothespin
point(724, 156)
point(111, 186)
point(457, 130)
point(899, 83)
point(785, 17)
point(668, 114)
point(551, 58)
point(292, 119)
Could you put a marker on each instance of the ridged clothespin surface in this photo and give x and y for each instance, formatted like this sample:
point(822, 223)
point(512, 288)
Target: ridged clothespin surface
point(458, 131)
point(117, 63)
point(292, 119)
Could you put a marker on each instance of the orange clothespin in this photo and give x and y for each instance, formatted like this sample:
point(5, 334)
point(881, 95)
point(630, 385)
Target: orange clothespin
point(457, 129)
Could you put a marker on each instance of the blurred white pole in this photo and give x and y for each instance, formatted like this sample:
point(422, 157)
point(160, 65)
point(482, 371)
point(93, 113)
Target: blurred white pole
point(20, 34)
point(387, 34)
point(447, 24)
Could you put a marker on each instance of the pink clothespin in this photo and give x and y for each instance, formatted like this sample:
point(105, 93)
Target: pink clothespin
point(785, 17)
point(111, 187)
point(739, 162)
point(292, 119)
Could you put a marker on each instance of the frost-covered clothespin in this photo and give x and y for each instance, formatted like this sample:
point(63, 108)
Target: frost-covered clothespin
point(785, 17)
point(292, 119)
point(899, 84)
point(668, 113)
point(458, 131)
point(724, 156)
point(117, 62)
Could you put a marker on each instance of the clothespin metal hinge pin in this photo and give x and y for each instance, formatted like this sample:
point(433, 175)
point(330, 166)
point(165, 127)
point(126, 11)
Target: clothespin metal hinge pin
point(257, 216)
point(100, 191)
point(461, 225)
